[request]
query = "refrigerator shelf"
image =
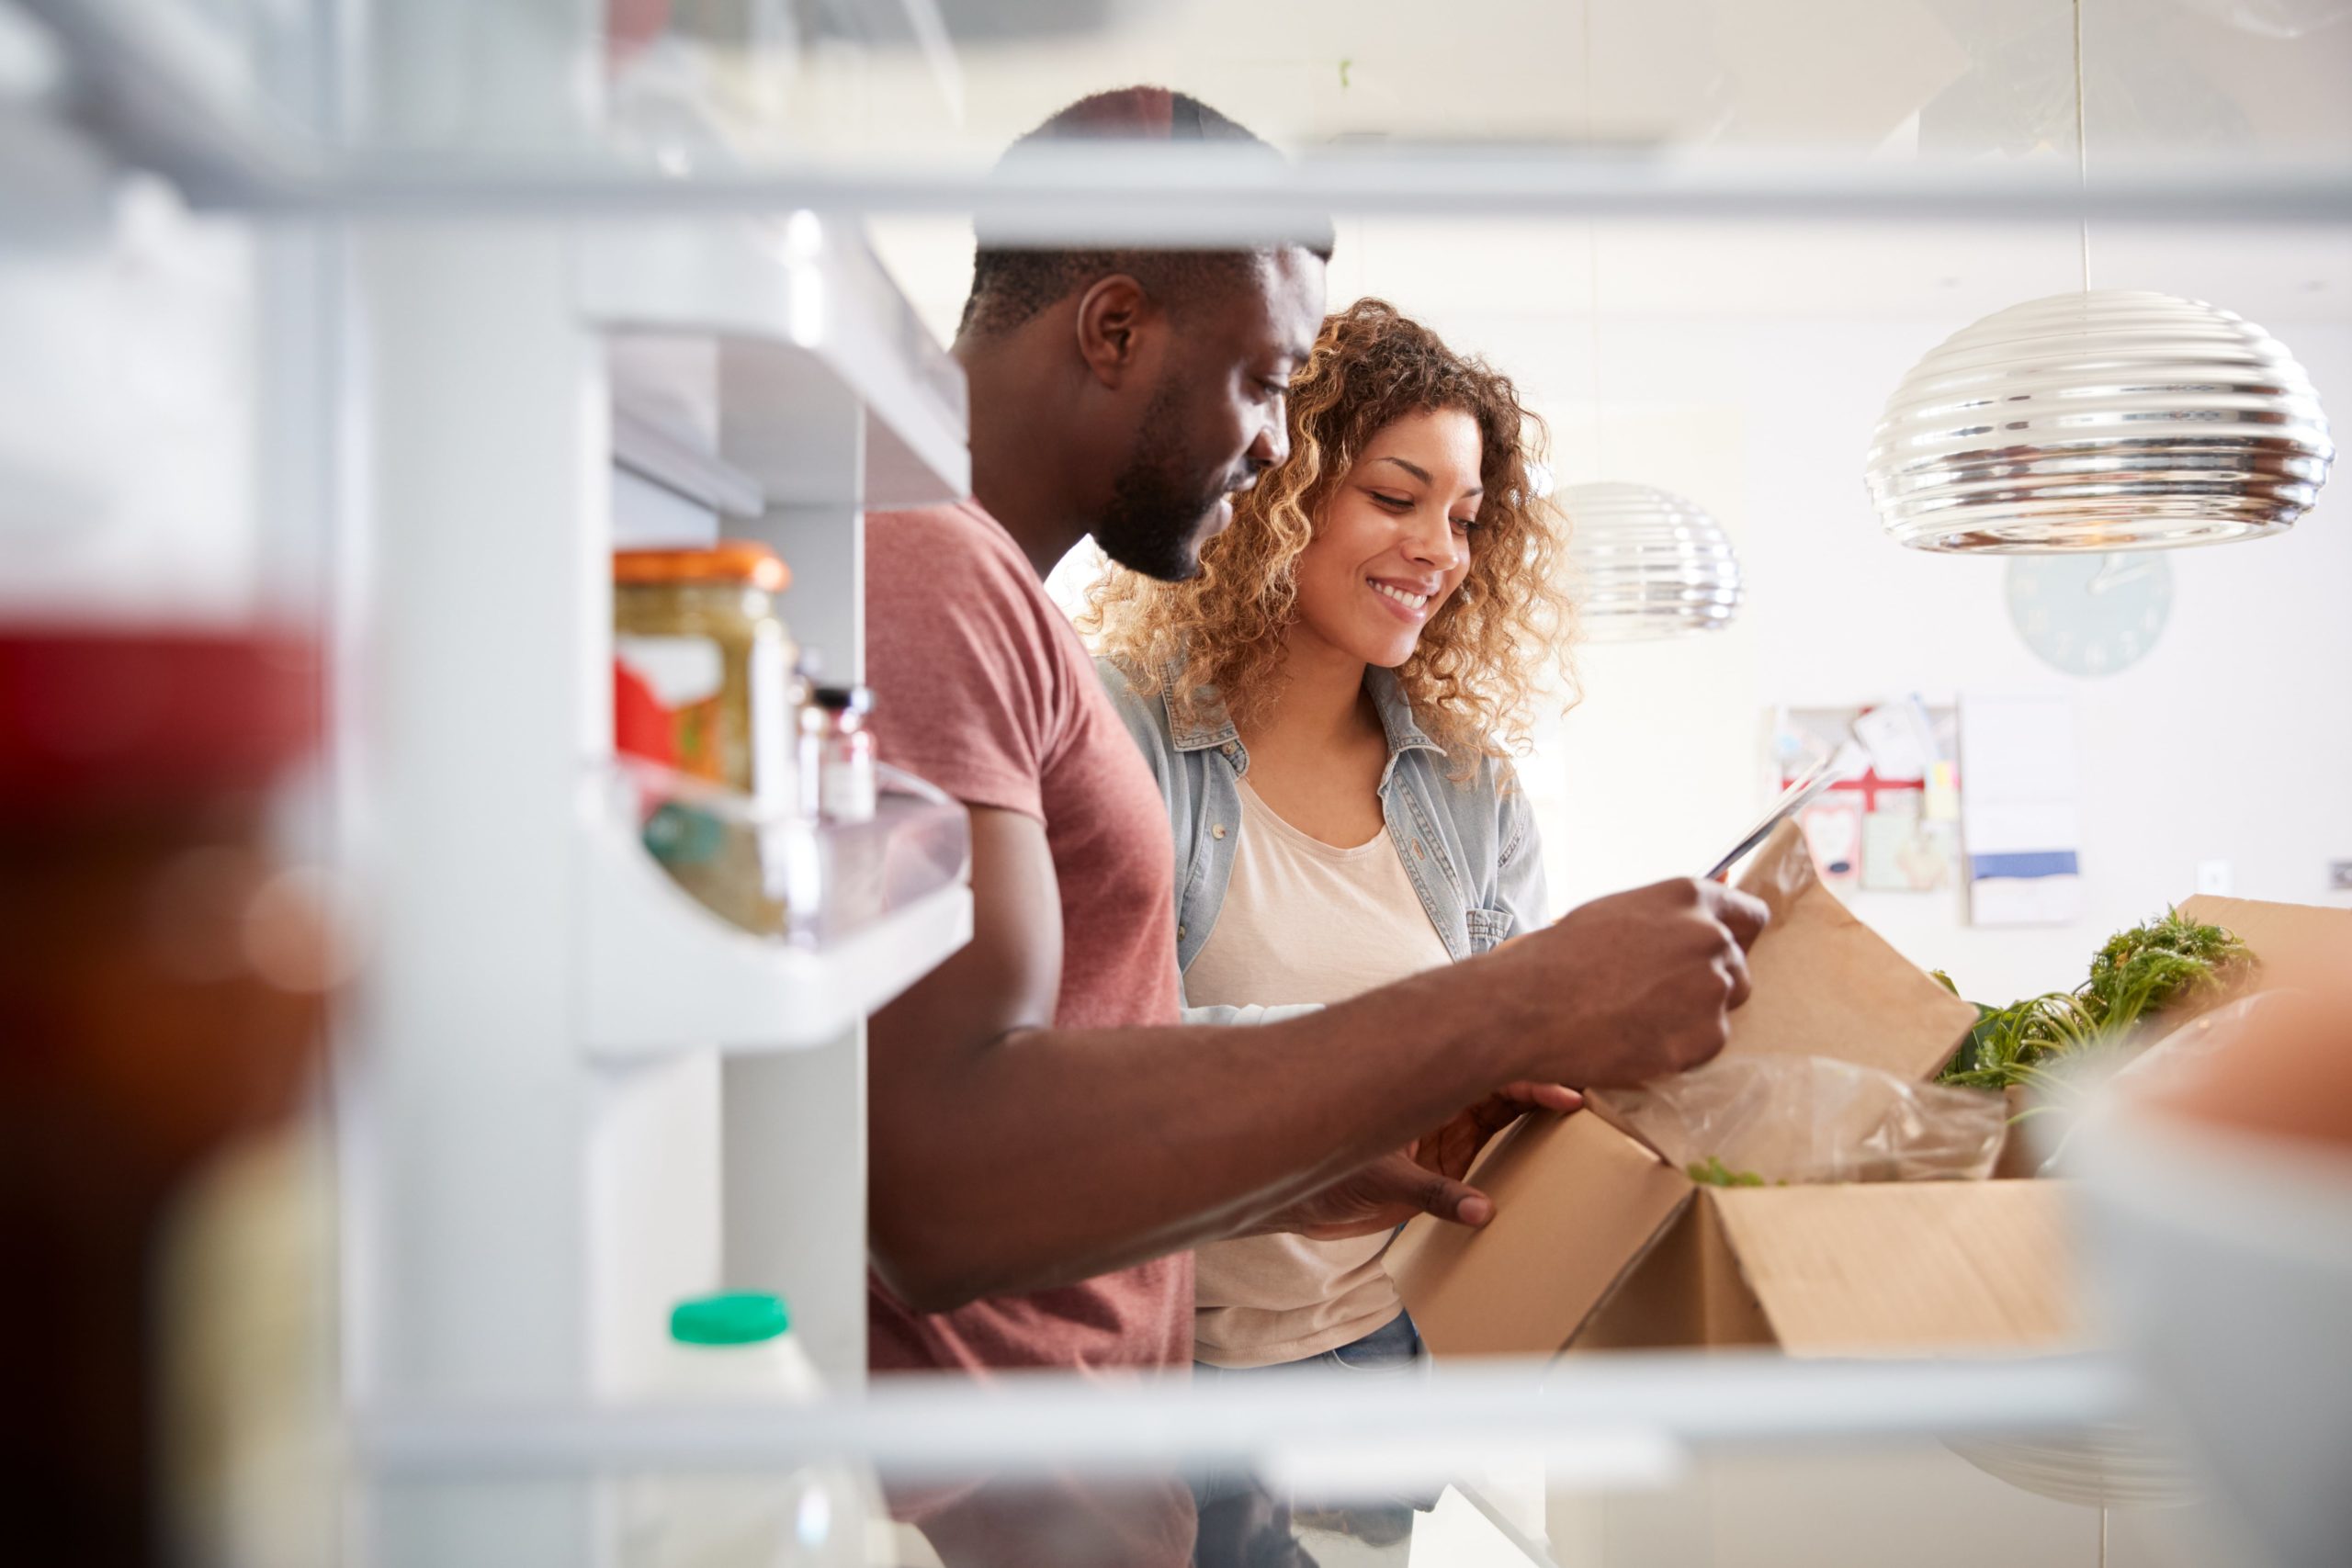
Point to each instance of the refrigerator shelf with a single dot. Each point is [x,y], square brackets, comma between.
[1605,1413]
[665,975]
[779,345]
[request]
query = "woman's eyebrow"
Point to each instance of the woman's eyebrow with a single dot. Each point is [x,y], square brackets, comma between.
[1423,475]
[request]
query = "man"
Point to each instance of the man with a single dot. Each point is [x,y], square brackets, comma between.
[1045,1141]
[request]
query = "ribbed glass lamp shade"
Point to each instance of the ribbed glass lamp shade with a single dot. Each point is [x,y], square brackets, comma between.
[1649,564]
[2106,420]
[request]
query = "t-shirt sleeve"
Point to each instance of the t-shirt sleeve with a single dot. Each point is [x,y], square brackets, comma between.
[968,692]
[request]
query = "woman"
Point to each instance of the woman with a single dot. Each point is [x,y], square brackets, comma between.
[1327,706]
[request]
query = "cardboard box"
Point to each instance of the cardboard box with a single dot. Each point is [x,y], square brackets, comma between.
[2298,944]
[1596,1243]
[1878,1269]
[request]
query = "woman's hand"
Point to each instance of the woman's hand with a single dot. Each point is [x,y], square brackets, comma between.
[1424,1178]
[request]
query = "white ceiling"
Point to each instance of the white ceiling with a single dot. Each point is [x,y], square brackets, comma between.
[1867,79]
[1962,78]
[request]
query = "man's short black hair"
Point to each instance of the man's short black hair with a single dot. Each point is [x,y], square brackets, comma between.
[1011,284]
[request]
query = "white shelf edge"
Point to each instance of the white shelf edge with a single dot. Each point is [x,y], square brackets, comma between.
[820,304]
[651,451]
[1050,1422]
[664,975]
[650,516]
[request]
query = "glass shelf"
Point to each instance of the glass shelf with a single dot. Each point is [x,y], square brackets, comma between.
[865,909]
[1621,1459]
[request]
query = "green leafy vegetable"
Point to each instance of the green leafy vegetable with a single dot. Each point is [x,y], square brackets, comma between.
[2169,964]
[1711,1172]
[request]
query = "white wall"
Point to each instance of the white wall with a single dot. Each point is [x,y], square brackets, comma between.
[2232,739]
[1744,366]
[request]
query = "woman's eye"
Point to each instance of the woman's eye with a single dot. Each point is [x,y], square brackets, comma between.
[1394,503]
[1463,525]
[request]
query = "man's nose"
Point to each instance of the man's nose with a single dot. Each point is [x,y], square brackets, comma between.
[1273,442]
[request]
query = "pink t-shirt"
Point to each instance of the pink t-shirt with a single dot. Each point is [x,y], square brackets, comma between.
[982,687]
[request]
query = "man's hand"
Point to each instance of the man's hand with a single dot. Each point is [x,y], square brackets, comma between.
[1635,986]
[1423,1178]
[1621,991]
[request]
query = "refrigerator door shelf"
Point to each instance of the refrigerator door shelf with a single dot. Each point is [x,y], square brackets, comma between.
[664,975]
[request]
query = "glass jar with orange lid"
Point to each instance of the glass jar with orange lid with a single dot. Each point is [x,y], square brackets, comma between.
[704,684]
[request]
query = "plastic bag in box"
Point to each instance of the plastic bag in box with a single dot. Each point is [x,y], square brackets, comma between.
[1810,1118]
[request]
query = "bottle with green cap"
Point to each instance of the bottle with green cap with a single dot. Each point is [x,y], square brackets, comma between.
[737,1348]
[737,1344]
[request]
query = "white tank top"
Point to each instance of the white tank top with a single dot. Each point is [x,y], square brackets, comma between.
[1302,922]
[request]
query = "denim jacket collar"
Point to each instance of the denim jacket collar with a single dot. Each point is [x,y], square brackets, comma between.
[1204,723]
[1199,723]
[1468,846]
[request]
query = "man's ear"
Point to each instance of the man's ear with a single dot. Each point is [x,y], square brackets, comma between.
[1114,316]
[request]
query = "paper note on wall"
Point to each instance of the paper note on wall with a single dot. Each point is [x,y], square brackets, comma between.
[2019,815]
[1899,750]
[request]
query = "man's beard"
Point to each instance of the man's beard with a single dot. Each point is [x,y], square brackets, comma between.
[1161,505]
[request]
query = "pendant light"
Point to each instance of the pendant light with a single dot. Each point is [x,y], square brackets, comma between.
[2103,420]
[1647,563]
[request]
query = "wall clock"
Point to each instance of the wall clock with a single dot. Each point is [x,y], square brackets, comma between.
[2090,614]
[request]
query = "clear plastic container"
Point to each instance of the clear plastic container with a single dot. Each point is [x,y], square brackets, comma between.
[775,872]
[737,1348]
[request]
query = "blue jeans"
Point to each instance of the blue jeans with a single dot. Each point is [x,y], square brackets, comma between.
[1235,1508]
[1392,1347]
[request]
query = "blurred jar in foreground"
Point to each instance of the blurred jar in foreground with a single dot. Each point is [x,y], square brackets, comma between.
[162,980]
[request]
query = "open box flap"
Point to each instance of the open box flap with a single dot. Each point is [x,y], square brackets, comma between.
[1827,984]
[1686,1291]
[1576,1205]
[2299,944]
[1904,1267]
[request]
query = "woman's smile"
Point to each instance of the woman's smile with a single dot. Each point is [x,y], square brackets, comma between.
[1408,604]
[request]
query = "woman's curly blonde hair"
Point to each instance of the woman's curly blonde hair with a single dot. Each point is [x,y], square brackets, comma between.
[1474,677]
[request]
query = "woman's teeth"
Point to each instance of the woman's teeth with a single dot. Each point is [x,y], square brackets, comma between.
[1410,601]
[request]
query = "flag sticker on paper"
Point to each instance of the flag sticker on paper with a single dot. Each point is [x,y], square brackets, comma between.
[2019,815]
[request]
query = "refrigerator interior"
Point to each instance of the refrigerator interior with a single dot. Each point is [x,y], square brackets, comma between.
[392,320]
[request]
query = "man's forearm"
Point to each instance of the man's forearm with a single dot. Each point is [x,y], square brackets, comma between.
[1052,1154]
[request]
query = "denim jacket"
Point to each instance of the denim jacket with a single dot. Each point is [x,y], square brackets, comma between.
[1470,849]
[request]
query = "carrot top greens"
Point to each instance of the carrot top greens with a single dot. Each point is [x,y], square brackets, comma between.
[1712,1172]
[2169,964]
